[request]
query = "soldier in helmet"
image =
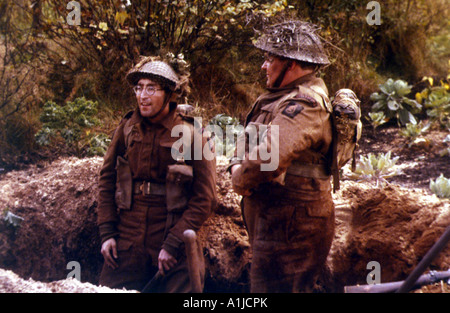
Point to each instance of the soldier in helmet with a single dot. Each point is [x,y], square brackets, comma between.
[148,195]
[288,211]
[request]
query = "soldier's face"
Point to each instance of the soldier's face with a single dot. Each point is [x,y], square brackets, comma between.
[150,97]
[273,67]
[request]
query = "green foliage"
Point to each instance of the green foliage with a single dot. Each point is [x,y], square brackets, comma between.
[98,145]
[223,120]
[376,119]
[414,131]
[393,102]
[231,129]
[437,104]
[113,34]
[440,187]
[376,168]
[71,122]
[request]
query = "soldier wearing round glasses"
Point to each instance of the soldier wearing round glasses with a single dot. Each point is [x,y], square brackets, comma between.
[141,227]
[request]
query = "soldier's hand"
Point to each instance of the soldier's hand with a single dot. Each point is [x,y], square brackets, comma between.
[235,171]
[109,251]
[165,261]
[234,168]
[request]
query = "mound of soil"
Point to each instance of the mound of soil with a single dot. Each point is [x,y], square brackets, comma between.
[393,226]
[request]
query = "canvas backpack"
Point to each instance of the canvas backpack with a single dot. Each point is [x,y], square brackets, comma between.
[345,114]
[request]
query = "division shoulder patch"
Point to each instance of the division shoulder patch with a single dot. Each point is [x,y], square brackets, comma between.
[292,109]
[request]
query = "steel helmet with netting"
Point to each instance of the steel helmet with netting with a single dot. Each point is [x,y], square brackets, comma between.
[160,70]
[296,40]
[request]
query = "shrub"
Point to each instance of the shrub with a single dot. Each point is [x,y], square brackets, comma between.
[437,104]
[376,119]
[413,131]
[71,123]
[393,102]
[375,168]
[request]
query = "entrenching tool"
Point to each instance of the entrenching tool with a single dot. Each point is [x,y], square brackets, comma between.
[193,260]
[426,279]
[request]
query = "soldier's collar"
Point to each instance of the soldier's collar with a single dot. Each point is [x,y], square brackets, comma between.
[166,122]
[294,83]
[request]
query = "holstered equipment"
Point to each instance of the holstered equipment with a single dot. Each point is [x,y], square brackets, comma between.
[178,185]
[124,184]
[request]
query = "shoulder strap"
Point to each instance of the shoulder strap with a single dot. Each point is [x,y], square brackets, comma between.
[334,143]
[324,97]
[127,131]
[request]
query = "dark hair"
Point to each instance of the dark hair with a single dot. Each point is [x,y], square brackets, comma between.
[309,66]
[303,64]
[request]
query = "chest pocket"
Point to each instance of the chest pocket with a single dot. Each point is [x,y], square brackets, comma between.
[267,113]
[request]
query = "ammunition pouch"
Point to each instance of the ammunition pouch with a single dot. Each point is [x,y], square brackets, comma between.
[124,184]
[178,186]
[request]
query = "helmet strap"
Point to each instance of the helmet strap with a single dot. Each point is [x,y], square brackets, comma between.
[283,72]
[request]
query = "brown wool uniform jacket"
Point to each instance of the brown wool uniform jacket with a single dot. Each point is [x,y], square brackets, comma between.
[149,155]
[305,136]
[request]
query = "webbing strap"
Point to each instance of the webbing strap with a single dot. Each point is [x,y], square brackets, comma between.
[308,170]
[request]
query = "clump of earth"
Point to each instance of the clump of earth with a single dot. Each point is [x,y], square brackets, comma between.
[391,224]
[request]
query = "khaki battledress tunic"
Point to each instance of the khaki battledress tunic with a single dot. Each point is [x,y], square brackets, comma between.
[142,231]
[290,213]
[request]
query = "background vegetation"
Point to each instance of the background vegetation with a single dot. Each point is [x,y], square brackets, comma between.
[45,62]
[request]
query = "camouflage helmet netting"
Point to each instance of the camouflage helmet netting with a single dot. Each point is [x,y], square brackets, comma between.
[295,40]
[153,68]
[167,68]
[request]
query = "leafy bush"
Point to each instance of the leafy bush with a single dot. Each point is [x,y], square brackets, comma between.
[376,119]
[98,145]
[437,104]
[375,168]
[71,123]
[393,102]
[440,187]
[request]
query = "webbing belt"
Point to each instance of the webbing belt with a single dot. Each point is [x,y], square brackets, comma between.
[149,188]
[309,170]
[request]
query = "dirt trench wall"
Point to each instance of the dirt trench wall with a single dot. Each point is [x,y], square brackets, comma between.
[393,226]
[58,204]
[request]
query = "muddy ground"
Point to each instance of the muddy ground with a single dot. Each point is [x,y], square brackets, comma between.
[394,225]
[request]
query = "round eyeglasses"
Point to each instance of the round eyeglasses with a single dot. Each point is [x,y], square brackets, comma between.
[150,90]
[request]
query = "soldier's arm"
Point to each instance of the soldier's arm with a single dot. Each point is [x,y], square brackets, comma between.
[298,125]
[107,217]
